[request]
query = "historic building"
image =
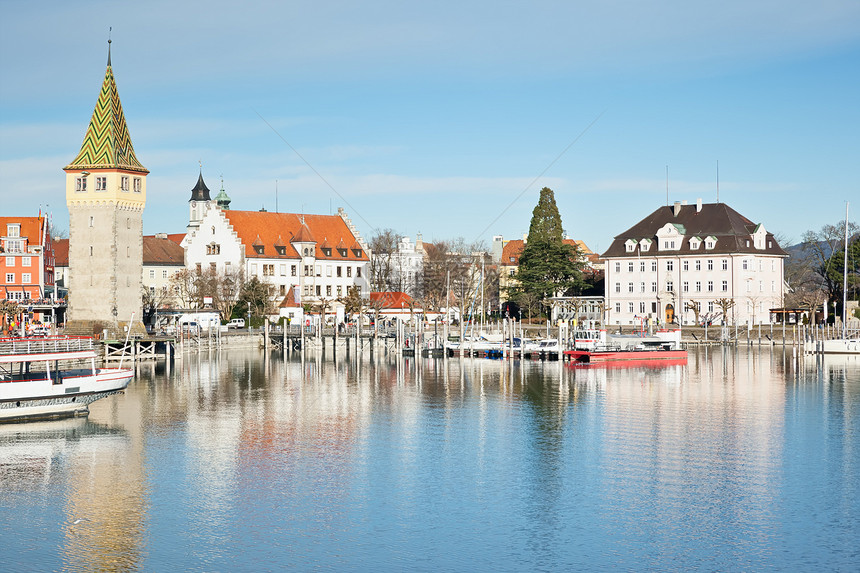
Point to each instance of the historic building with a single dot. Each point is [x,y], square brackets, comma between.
[106,195]
[687,262]
[319,257]
[509,259]
[27,266]
[407,265]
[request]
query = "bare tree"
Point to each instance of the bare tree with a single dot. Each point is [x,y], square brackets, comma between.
[184,284]
[384,275]
[815,255]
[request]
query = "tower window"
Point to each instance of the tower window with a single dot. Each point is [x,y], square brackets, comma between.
[128,223]
[138,185]
[92,221]
[123,183]
[91,250]
[101,183]
[80,184]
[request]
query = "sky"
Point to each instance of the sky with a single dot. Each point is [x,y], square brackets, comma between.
[447,118]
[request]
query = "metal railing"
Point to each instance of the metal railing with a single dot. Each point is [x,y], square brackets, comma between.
[11,346]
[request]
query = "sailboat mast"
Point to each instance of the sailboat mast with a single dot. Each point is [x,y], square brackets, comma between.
[845,279]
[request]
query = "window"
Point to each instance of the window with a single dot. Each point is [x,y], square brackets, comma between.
[686,265]
[339,270]
[654,286]
[213,267]
[92,221]
[698,286]
[653,266]
[293,270]
[670,286]
[760,286]
[641,308]
[10,261]
[642,266]
[348,271]
[710,264]
[513,259]
[629,287]
[748,242]
[617,307]
[91,252]
[80,185]
[283,290]
[13,230]
[319,290]
[281,250]
[630,247]
[306,251]
[128,223]
[745,265]
[698,265]
[630,267]
[253,268]
[164,274]
[617,287]
[138,185]
[710,286]
[151,273]
[101,183]
[630,307]
[328,270]
[773,284]
[670,265]
[123,183]
[642,287]
[709,244]
[260,249]
[512,272]
[328,290]
[25,261]
[725,264]
[339,291]
[319,270]
[283,270]
[342,252]
[10,277]
[357,253]
[685,286]
[358,274]
[268,270]
[25,278]
[725,286]
[307,271]
[617,267]
[326,252]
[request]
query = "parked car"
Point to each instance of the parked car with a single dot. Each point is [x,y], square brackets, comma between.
[236,323]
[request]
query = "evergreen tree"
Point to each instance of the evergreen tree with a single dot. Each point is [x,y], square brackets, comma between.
[546,222]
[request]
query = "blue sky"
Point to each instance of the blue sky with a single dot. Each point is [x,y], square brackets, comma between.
[447,118]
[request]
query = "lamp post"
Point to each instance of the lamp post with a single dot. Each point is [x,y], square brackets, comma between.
[249,317]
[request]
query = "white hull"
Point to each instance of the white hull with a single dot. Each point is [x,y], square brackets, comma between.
[849,346]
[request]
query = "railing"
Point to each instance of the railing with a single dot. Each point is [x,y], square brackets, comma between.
[10,346]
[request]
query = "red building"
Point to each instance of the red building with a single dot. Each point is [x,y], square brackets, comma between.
[27,263]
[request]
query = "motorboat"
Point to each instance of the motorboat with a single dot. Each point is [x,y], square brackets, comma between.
[53,377]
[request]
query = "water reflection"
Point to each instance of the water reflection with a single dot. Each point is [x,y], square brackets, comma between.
[228,460]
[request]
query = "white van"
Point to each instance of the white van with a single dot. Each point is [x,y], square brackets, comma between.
[236,323]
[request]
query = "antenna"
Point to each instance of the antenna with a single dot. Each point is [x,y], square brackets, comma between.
[667,185]
[718,180]
[110,29]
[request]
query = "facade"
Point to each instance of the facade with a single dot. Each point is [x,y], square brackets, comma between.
[407,265]
[106,195]
[681,262]
[163,257]
[27,263]
[319,256]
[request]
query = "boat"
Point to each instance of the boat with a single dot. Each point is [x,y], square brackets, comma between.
[53,377]
[663,345]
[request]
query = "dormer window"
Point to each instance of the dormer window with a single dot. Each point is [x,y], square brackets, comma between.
[342,252]
[306,251]
[259,249]
[327,251]
[281,250]
[357,252]
[13,230]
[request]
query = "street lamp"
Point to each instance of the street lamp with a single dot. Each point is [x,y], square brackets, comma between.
[249,317]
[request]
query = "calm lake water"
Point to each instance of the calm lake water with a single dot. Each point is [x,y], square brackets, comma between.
[739,460]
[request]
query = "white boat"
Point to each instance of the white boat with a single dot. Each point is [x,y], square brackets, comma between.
[53,377]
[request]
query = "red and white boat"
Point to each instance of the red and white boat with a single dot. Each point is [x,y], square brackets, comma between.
[53,377]
[663,345]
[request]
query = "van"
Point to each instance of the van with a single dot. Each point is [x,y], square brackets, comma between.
[236,323]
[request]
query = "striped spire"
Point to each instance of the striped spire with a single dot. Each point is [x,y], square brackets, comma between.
[107,143]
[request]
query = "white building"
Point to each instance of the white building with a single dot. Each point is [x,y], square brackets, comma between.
[683,257]
[407,266]
[319,256]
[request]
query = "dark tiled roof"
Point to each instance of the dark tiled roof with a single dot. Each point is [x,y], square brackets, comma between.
[730,228]
[157,251]
[200,191]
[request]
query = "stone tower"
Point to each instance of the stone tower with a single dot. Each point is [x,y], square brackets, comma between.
[198,204]
[105,194]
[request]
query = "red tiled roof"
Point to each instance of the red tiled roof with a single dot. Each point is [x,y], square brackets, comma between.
[158,251]
[290,300]
[265,229]
[31,228]
[61,253]
[391,299]
[176,237]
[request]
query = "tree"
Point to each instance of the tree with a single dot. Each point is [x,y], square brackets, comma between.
[835,270]
[259,295]
[383,275]
[548,269]
[819,248]
[184,284]
[546,222]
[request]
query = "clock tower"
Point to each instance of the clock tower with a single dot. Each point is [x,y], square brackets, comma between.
[105,194]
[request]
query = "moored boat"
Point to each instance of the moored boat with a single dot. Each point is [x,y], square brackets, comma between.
[54,377]
[661,346]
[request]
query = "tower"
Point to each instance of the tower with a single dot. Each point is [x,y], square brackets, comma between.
[198,204]
[105,194]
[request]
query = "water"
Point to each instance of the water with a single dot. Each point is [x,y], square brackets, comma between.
[739,460]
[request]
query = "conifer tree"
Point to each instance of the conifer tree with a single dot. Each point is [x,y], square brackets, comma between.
[546,221]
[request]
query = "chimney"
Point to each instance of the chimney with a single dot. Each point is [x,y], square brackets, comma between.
[677,208]
[699,205]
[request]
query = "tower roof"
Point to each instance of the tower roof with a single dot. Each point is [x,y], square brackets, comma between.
[107,143]
[200,191]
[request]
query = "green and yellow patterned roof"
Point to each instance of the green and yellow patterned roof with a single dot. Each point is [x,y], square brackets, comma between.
[107,144]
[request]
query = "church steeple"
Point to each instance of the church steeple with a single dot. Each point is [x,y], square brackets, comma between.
[107,143]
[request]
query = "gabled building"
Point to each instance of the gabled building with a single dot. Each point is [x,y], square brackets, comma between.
[681,261]
[319,256]
[26,259]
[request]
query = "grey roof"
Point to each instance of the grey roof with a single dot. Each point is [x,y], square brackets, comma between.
[731,229]
[200,191]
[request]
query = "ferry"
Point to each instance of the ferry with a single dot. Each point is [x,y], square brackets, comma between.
[663,345]
[53,377]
